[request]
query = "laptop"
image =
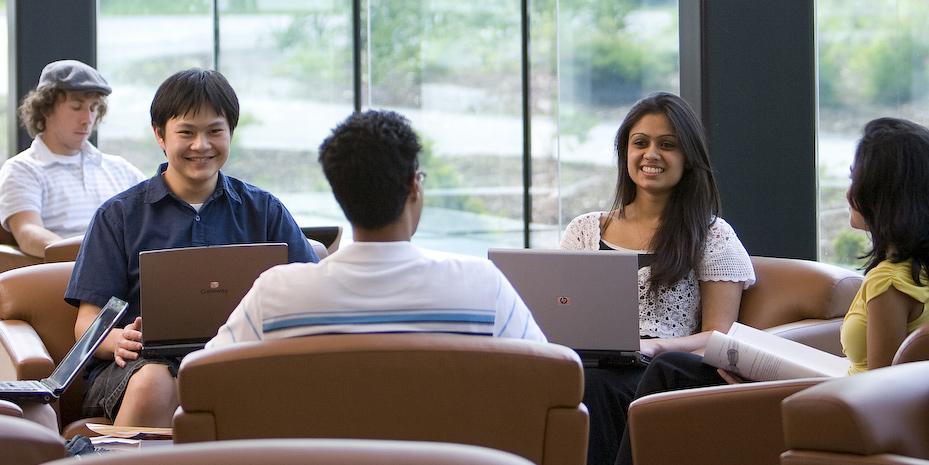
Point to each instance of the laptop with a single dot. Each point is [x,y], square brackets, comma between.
[50,389]
[187,293]
[587,300]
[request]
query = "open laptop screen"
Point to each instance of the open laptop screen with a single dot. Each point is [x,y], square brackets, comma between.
[83,349]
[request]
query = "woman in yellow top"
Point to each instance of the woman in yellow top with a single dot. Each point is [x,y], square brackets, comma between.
[888,199]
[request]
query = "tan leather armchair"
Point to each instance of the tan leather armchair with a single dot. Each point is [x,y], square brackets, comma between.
[320,249]
[878,417]
[23,442]
[730,424]
[37,328]
[308,452]
[10,255]
[64,250]
[39,413]
[797,299]
[915,348]
[801,300]
[518,396]
[10,409]
[328,236]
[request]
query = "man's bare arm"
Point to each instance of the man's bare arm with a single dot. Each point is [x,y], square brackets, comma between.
[30,233]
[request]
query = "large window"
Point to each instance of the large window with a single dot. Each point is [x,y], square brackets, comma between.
[873,62]
[455,69]
[140,44]
[591,61]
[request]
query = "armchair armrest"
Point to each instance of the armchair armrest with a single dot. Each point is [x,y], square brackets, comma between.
[319,248]
[25,442]
[64,250]
[883,411]
[804,457]
[914,348]
[11,257]
[732,424]
[22,353]
[10,409]
[821,334]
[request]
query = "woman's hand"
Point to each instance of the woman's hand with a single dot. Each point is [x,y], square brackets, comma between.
[650,347]
[730,378]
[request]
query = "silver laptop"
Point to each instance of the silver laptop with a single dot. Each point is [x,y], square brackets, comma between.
[188,293]
[587,300]
[50,389]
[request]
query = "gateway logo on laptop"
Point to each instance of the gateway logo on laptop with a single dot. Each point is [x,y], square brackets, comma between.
[214,289]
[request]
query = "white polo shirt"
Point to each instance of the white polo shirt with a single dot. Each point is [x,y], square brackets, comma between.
[376,287]
[65,190]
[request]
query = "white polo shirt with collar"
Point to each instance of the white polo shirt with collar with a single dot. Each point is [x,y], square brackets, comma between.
[378,287]
[65,190]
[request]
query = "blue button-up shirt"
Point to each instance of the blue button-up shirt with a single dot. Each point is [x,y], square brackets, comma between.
[151,217]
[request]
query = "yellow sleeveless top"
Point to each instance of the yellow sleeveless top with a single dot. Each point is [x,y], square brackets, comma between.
[854,332]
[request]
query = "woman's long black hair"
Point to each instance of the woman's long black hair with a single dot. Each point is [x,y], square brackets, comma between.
[890,189]
[680,240]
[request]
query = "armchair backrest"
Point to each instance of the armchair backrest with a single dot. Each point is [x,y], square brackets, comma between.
[308,452]
[513,395]
[789,290]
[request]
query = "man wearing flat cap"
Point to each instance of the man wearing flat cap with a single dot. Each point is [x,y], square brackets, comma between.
[52,189]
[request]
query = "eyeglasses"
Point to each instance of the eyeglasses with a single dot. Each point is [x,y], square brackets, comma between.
[420,176]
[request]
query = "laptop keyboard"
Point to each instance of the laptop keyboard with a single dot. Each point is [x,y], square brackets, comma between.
[22,386]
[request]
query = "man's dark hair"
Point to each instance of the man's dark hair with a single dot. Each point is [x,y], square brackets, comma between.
[186,92]
[370,161]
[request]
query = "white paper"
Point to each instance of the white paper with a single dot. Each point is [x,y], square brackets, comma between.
[759,356]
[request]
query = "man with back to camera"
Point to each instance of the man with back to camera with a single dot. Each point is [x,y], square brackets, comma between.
[190,202]
[380,282]
[50,190]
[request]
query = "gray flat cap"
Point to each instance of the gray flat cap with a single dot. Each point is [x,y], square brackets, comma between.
[73,75]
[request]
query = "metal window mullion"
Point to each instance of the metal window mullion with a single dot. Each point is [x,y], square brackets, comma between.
[527,127]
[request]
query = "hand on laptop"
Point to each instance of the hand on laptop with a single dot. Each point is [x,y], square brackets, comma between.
[649,347]
[129,343]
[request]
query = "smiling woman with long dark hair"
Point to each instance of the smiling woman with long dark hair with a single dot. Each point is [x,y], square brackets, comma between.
[667,206]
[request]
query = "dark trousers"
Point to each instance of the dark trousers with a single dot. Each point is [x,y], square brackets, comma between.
[607,394]
[668,371]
